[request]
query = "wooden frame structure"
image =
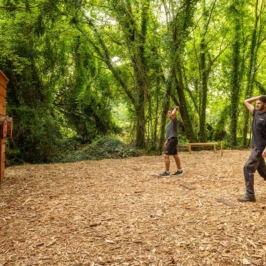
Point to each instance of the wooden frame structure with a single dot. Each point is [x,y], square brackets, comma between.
[6,123]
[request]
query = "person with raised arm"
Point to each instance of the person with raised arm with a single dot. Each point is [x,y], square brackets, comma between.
[170,144]
[255,161]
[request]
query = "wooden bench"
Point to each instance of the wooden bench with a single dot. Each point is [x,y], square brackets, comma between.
[214,144]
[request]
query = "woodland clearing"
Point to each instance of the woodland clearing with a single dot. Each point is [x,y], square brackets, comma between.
[115,212]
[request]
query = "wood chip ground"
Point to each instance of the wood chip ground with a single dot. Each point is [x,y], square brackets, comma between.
[115,212]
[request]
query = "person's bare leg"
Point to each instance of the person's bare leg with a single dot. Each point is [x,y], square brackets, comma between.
[167,162]
[177,161]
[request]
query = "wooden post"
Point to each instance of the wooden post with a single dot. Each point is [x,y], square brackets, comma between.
[214,148]
[221,148]
[3,123]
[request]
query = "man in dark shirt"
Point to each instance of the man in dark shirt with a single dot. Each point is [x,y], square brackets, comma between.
[171,144]
[256,159]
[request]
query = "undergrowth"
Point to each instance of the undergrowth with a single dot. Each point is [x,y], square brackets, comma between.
[104,148]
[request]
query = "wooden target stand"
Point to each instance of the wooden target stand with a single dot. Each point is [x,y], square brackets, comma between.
[6,123]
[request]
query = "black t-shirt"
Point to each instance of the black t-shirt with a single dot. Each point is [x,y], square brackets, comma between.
[259,130]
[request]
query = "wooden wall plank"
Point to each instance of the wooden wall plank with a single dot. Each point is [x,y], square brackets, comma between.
[3,150]
[2,158]
[2,100]
[3,82]
[2,110]
[1,176]
[2,143]
[3,79]
[2,91]
[3,85]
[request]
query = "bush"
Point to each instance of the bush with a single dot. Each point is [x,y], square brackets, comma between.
[36,136]
[103,148]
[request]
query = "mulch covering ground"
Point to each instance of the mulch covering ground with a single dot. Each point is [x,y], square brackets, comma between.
[115,212]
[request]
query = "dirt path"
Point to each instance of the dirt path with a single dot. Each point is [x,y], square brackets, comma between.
[114,212]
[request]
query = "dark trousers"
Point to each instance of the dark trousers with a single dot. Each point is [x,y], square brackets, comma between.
[254,162]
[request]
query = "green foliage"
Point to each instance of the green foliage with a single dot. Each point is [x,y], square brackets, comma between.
[106,147]
[112,148]
[90,119]
[36,136]
[71,63]
[219,134]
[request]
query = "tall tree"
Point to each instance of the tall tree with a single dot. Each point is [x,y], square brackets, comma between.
[255,41]
[203,56]
[235,10]
[69,62]
[203,67]
[179,22]
[134,33]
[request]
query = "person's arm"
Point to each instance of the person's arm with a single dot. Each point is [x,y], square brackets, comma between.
[249,105]
[173,114]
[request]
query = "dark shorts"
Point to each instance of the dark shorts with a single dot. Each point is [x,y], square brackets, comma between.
[171,148]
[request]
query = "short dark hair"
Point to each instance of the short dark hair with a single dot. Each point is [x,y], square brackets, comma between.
[263,98]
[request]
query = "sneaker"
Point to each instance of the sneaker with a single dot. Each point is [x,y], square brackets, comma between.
[178,173]
[246,198]
[165,174]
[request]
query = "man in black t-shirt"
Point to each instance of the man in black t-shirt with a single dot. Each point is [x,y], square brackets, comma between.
[256,159]
[170,144]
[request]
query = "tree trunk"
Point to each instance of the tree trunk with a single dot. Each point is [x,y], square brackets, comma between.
[204,91]
[140,121]
[183,106]
[235,76]
[165,106]
[251,74]
[141,77]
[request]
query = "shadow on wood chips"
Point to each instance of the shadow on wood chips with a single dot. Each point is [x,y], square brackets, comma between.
[115,212]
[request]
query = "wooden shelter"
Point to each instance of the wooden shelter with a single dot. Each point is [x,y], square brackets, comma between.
[6,123]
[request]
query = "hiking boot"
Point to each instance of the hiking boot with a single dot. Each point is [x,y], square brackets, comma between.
[178,173]
[165,174]
[247,198]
